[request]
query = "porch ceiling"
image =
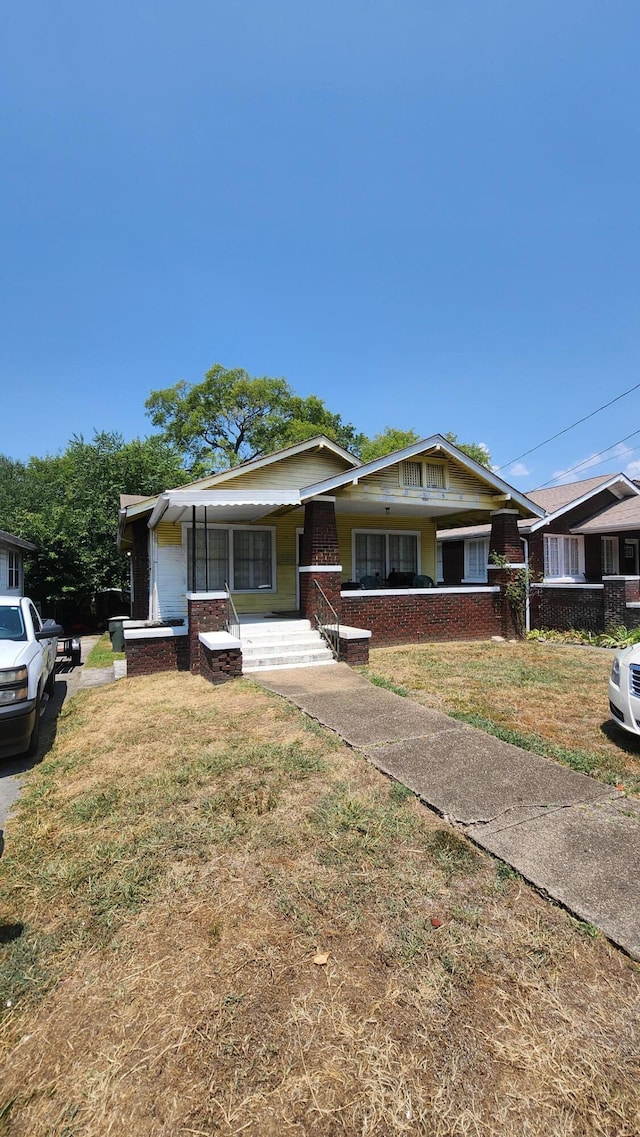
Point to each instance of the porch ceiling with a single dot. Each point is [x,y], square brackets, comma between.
[221,505]
[420,509]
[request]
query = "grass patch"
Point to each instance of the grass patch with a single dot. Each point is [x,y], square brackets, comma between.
[550,700]
[213,921]
[388,684]
[101,654]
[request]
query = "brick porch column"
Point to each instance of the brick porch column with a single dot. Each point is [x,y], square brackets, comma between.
[207,612]
[319,556]
[140,571]
[505,542]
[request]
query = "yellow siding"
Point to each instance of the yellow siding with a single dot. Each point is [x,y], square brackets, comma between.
[426,528]
[459,483]
[289,473]
[169,533]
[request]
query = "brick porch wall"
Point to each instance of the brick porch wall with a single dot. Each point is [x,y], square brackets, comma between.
[206,614]
[565,608]
[439,614]
[219,666]
[167,653]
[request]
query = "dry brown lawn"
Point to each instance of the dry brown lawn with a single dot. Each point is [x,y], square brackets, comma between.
[557,694]
[215,919]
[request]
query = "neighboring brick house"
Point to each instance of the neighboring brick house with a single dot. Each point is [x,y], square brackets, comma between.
[583,554]
[312,531]
[12,550]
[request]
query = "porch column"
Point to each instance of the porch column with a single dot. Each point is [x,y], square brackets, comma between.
[140,571]
[207,612]
[505,543]
[319,556]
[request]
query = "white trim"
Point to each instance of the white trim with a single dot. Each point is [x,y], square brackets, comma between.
[319,568]
[215,640]
[497,512]
[358,593]
[563,557]
[153,633]
[509,564]
[220,594]
[347,633]
[479,579]
[618,576]
[565,584]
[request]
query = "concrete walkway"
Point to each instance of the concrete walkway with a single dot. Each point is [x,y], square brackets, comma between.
[575,838]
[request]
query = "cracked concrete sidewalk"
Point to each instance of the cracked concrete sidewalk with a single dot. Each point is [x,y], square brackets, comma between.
[575,838]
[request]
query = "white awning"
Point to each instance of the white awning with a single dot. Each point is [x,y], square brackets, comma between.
[221,505]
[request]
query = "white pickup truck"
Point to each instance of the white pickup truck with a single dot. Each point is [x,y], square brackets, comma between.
[27,672]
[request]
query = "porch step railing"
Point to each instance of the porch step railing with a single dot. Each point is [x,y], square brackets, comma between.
[327,620]
[233,620]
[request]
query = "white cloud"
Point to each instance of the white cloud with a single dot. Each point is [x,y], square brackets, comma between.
[519,470]
[632,470]
[581,470]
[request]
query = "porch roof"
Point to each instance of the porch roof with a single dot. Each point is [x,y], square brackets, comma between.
[225,505]
[622,516]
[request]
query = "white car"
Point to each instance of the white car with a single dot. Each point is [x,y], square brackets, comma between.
[27,663]
[624,689]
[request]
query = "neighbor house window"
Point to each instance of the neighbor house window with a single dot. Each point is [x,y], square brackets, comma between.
[439,563]
[243,558]
[423,475]
[563,558]
[610,564]
[377,554]
[13,576]
[476,555]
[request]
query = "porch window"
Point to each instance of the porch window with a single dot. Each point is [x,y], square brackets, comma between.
[377,554]
[563,558]
[610,562]
[439,563]
[241,557]
[476,555]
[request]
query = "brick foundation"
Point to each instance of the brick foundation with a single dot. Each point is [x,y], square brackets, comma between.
[167,653]
[438,614]
[355,652]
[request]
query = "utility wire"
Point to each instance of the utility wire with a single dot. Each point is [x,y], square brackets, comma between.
[590,461]
[568,428]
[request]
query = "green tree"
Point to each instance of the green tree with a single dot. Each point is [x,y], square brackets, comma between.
[67,505]
[386,442]
[476,450]
[232,416]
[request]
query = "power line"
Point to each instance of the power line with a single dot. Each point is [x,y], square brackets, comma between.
[568,428]
[590,462]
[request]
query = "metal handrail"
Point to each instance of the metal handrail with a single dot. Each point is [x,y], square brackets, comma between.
[233,620]
[327,620]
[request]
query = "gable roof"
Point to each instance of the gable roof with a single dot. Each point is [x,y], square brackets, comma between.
[621,515]
[318,442]
[18,542]
[555,497]
[435,443]
[620,485]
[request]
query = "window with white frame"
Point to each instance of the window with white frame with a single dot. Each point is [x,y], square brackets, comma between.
[241,557]
[377,553]
[610,556]
[476,555]
[563,557]
[423,475]
[439,563]
[13,573]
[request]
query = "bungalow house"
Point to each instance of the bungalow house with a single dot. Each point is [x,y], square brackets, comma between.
[583,554]
[12,550]
[308,540]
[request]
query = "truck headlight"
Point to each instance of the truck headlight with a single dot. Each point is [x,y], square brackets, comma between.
[14,685]
[615,671]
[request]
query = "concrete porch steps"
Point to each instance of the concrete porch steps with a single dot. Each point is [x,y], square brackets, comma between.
[271,644]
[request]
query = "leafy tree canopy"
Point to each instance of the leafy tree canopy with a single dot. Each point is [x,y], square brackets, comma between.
[231,417]
[476,450]
[67,505]
[386,442]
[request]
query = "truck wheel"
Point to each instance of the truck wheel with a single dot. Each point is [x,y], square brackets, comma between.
[35,733]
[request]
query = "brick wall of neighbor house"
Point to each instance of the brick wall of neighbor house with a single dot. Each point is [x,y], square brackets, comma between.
[219,666]
[146,656]
[140,571]
[566,608]
[204,616]
[438,615]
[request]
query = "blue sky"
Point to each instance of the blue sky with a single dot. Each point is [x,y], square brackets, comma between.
[425,213]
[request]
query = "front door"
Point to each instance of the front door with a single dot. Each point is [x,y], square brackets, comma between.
[299,533]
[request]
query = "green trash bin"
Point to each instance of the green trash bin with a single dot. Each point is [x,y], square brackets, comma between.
[116,632]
